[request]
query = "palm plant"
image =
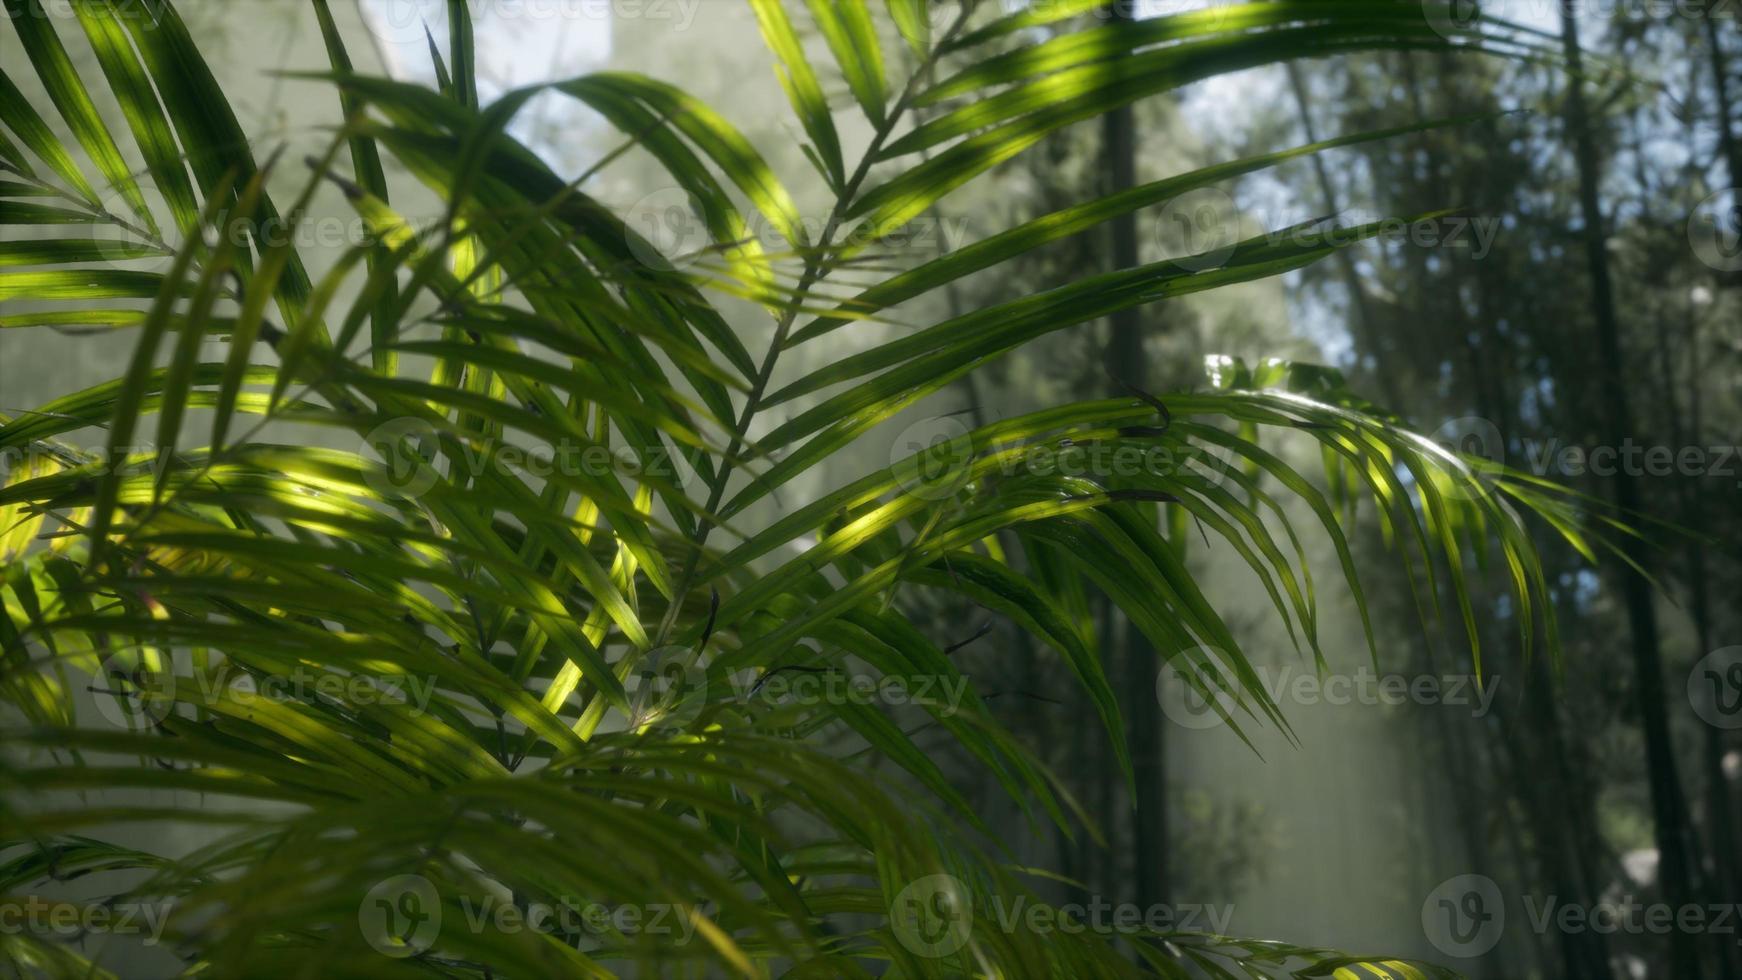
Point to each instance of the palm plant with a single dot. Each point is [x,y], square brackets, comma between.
[593,629]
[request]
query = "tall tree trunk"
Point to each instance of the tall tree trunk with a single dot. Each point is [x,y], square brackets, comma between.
[1668,805]
[1721,811]
[1562,798]
[1125,360]
[1726,114]
[1555,795]
[1363,315]
[1720,818]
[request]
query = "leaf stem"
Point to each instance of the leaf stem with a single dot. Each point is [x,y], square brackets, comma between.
[816,268]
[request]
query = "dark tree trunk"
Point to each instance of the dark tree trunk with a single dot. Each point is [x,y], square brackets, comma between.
[1136,659]
[1726,115]
[1669,806]
[1358,307]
